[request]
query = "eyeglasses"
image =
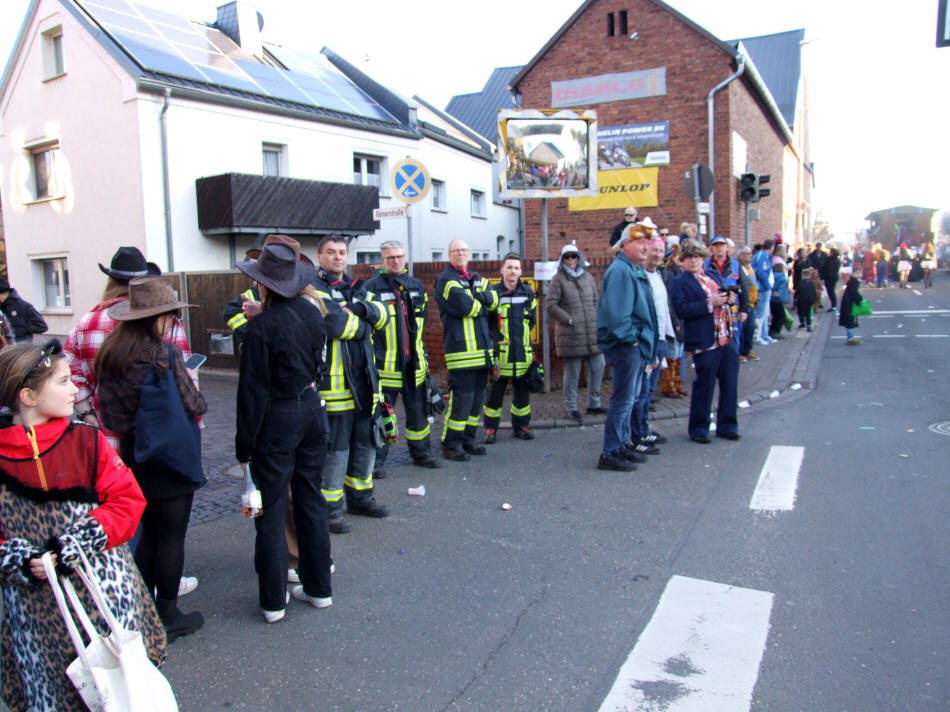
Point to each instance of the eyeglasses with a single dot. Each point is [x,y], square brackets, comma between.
[394,257]
[664,234]
[459,249]
[572,257]
[630,215]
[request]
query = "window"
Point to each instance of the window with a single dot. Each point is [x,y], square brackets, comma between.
[610,24]
[274,158]
[622,17]
[369,258]
[56,283]
[478,204]
[438,195]
[367,170]
[438,256]
[53,53]
[45,159]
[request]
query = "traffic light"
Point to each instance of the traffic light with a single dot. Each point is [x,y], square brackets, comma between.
[748,187]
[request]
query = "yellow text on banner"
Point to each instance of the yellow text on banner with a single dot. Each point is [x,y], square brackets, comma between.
[620,189]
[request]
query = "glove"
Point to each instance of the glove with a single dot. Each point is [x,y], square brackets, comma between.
[84,534]
[358,308]
[15,555]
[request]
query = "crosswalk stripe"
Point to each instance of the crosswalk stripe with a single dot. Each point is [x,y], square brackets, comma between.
[888,336]
[931,336]
[700,651]
[778,479]
[913,311]
[918,293]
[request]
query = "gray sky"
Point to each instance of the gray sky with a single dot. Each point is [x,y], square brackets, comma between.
[878,120]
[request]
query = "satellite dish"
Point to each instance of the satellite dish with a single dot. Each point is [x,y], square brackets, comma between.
[260,21]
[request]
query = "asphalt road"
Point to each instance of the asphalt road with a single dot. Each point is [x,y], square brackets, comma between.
[456,604]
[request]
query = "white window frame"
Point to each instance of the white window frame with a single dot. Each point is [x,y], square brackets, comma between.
[54,62]
[60,286]
[477,201]
[362,175]
[438,196]
[53,188]
[369,257]
[438,255]
[279,150]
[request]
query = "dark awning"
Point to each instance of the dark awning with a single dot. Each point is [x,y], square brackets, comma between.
[236,203]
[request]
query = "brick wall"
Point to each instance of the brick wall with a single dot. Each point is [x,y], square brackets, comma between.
[694,65]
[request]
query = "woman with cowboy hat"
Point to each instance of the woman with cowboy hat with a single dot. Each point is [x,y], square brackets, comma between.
[90,331]
[132,348]
[282,426]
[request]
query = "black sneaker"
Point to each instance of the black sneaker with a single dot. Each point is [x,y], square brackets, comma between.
[523,434]
[474,449]
[369,508]
[426,461]
[379,473]
[615,462]
[646,449]
[573,415]
[653,439]
[455,453]
[629,452]
[596,411]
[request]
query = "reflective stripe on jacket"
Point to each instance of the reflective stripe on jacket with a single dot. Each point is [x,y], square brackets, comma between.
[517,311]
[465,302]
[399,347]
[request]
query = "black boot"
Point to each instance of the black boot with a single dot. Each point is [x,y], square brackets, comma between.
[177,623]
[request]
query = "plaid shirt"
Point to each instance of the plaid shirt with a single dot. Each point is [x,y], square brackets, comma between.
[84,341]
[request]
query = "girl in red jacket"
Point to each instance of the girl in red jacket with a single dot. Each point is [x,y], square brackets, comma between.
[62,489]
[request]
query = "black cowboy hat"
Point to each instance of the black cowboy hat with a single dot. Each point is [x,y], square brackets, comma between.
[279,267]
[128,263]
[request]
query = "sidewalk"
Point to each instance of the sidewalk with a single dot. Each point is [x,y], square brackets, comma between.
[787,366]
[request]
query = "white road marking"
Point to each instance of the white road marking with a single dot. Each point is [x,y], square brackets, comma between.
[888,336]
[931,336]
[778,479]
[913,312]
[700,651]
[837,337]
[918,292]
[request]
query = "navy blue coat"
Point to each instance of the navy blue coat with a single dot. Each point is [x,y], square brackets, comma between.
[691,306]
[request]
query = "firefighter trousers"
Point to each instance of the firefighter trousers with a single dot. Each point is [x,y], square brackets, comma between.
[350,459]
[520,405]
[466,396]
[417,427]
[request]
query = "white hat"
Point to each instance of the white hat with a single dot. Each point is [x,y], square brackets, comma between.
[570,249]
[648,223]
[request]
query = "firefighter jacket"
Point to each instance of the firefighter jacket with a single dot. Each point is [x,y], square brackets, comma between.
[517,312]
[233,314]
[350,377]
[465,301]
[400,351]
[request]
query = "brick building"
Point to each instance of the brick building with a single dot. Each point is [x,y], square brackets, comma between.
[610,45]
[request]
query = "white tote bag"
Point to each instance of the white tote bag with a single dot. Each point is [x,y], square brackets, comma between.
[113,673]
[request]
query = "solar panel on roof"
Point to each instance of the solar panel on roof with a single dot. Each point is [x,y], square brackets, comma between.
[161,42]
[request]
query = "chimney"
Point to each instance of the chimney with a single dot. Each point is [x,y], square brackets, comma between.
[241,22]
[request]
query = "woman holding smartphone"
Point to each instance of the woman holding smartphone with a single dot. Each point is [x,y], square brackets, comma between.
[121,365]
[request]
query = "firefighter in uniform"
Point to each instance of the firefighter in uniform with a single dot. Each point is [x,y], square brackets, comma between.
[400,353]
[517,311]
[350,387]
[465,302]
[239,310]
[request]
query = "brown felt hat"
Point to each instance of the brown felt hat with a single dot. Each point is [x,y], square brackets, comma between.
[279,267]
[148,296]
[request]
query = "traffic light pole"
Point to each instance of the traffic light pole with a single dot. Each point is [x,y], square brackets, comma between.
[748,226]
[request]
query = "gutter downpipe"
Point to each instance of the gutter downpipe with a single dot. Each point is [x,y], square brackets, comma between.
[711,116]
[166,188]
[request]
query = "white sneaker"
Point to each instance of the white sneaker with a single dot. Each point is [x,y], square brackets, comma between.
[293,576]
[314,601]
[187,584]
[762,342]
[274,616]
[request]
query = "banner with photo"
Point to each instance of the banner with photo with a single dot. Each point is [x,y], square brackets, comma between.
[633,146]
[618,189]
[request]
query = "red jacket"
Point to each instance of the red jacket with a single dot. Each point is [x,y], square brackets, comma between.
[74,456]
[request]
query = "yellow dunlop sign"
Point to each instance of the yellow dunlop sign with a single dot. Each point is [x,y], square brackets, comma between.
[620,189]
[410,180]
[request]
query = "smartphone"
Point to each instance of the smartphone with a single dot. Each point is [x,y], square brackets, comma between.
[194,361]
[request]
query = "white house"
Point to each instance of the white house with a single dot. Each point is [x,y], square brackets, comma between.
[122,124]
